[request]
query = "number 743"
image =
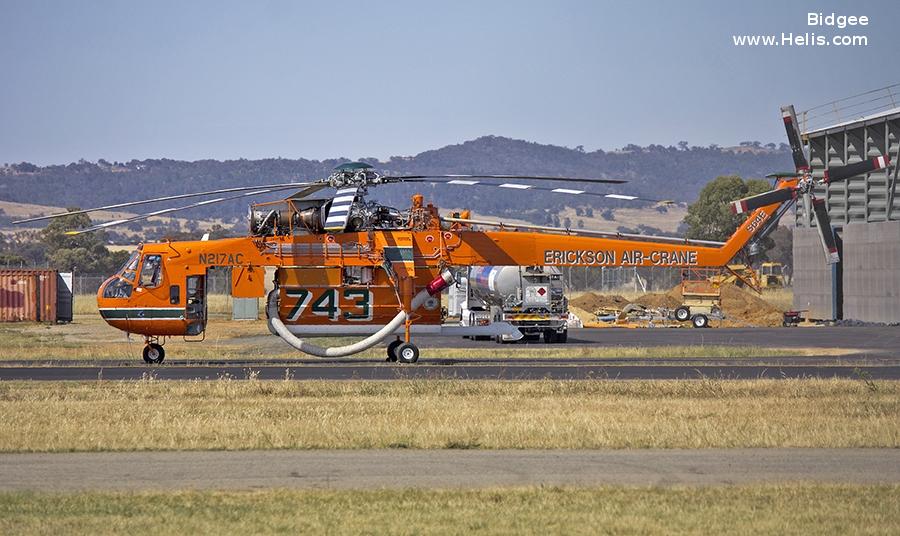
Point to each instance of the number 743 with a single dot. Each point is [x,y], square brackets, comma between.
[328,303]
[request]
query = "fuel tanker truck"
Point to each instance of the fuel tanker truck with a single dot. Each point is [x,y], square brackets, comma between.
[531,298]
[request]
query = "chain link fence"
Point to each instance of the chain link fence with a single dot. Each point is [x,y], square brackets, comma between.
[218,281]
[601,278]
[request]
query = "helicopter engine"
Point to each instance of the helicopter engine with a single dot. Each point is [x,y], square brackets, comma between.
[281,219]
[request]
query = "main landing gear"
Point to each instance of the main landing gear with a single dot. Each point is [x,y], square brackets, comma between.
[404,352]
[153,352]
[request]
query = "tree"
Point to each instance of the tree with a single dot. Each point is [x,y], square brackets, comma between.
[84,252]
[783,246]
[710,217]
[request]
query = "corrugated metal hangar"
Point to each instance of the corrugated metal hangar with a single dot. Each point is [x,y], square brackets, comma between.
[865,213]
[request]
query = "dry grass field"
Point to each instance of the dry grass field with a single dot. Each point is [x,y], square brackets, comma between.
[760,509]
[229,414]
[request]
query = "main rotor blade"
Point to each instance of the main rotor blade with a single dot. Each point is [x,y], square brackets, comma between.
[793,134]
[841,173]
[826,233]
[270,187]
[114,223]
[309,190]
[418,178]
[753,202]
[339,211]
[514,186]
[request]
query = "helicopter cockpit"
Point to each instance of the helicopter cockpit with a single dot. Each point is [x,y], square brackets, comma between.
[121,284]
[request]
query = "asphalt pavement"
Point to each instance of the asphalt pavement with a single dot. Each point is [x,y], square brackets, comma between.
[874,354]
[373,469]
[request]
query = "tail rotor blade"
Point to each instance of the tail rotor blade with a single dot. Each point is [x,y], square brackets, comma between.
[841,173]
[826,233]
[793,134]
[749,204]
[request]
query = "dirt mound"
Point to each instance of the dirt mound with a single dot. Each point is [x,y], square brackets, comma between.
[741,307]
[746,306]
[659,299]
[592,302]
[586,317]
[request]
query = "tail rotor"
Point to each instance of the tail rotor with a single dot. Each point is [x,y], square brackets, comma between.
[812,206]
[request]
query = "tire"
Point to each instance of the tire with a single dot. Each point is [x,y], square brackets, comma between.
[682,314]
[549,337]
[153,354]
[392,350]
[700,321]
[562,337]
[407,352]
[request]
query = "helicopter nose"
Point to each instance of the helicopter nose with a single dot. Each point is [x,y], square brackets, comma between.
[109,297]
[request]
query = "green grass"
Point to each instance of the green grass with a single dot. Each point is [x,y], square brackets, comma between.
[758,509]
[437,414]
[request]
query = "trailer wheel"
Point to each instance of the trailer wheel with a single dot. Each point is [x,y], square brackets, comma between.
[700,321]
[562,337]
[549,336]
[153,353]
[407,352]
[682,314]
[392,350]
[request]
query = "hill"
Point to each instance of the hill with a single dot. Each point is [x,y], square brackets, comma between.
[655,171]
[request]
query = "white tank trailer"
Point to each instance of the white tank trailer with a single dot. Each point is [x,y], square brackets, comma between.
[532,298]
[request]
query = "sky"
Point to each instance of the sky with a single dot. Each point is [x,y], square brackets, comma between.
[194,80]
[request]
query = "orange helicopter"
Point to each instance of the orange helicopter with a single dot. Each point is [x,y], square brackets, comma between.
[348,266]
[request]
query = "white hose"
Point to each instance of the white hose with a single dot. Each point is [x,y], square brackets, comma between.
[282,331]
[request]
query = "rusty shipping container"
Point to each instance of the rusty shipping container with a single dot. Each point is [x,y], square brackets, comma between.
[28,295]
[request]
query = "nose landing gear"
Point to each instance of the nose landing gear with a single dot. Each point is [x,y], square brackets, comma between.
[153,352]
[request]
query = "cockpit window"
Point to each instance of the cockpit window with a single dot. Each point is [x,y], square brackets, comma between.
[151,271]
[117,288]
[130,267]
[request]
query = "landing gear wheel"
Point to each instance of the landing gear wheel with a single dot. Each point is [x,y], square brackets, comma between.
[407,352]
[549,337]
[682,314]
[392,350]
[700,321]
[153,353]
